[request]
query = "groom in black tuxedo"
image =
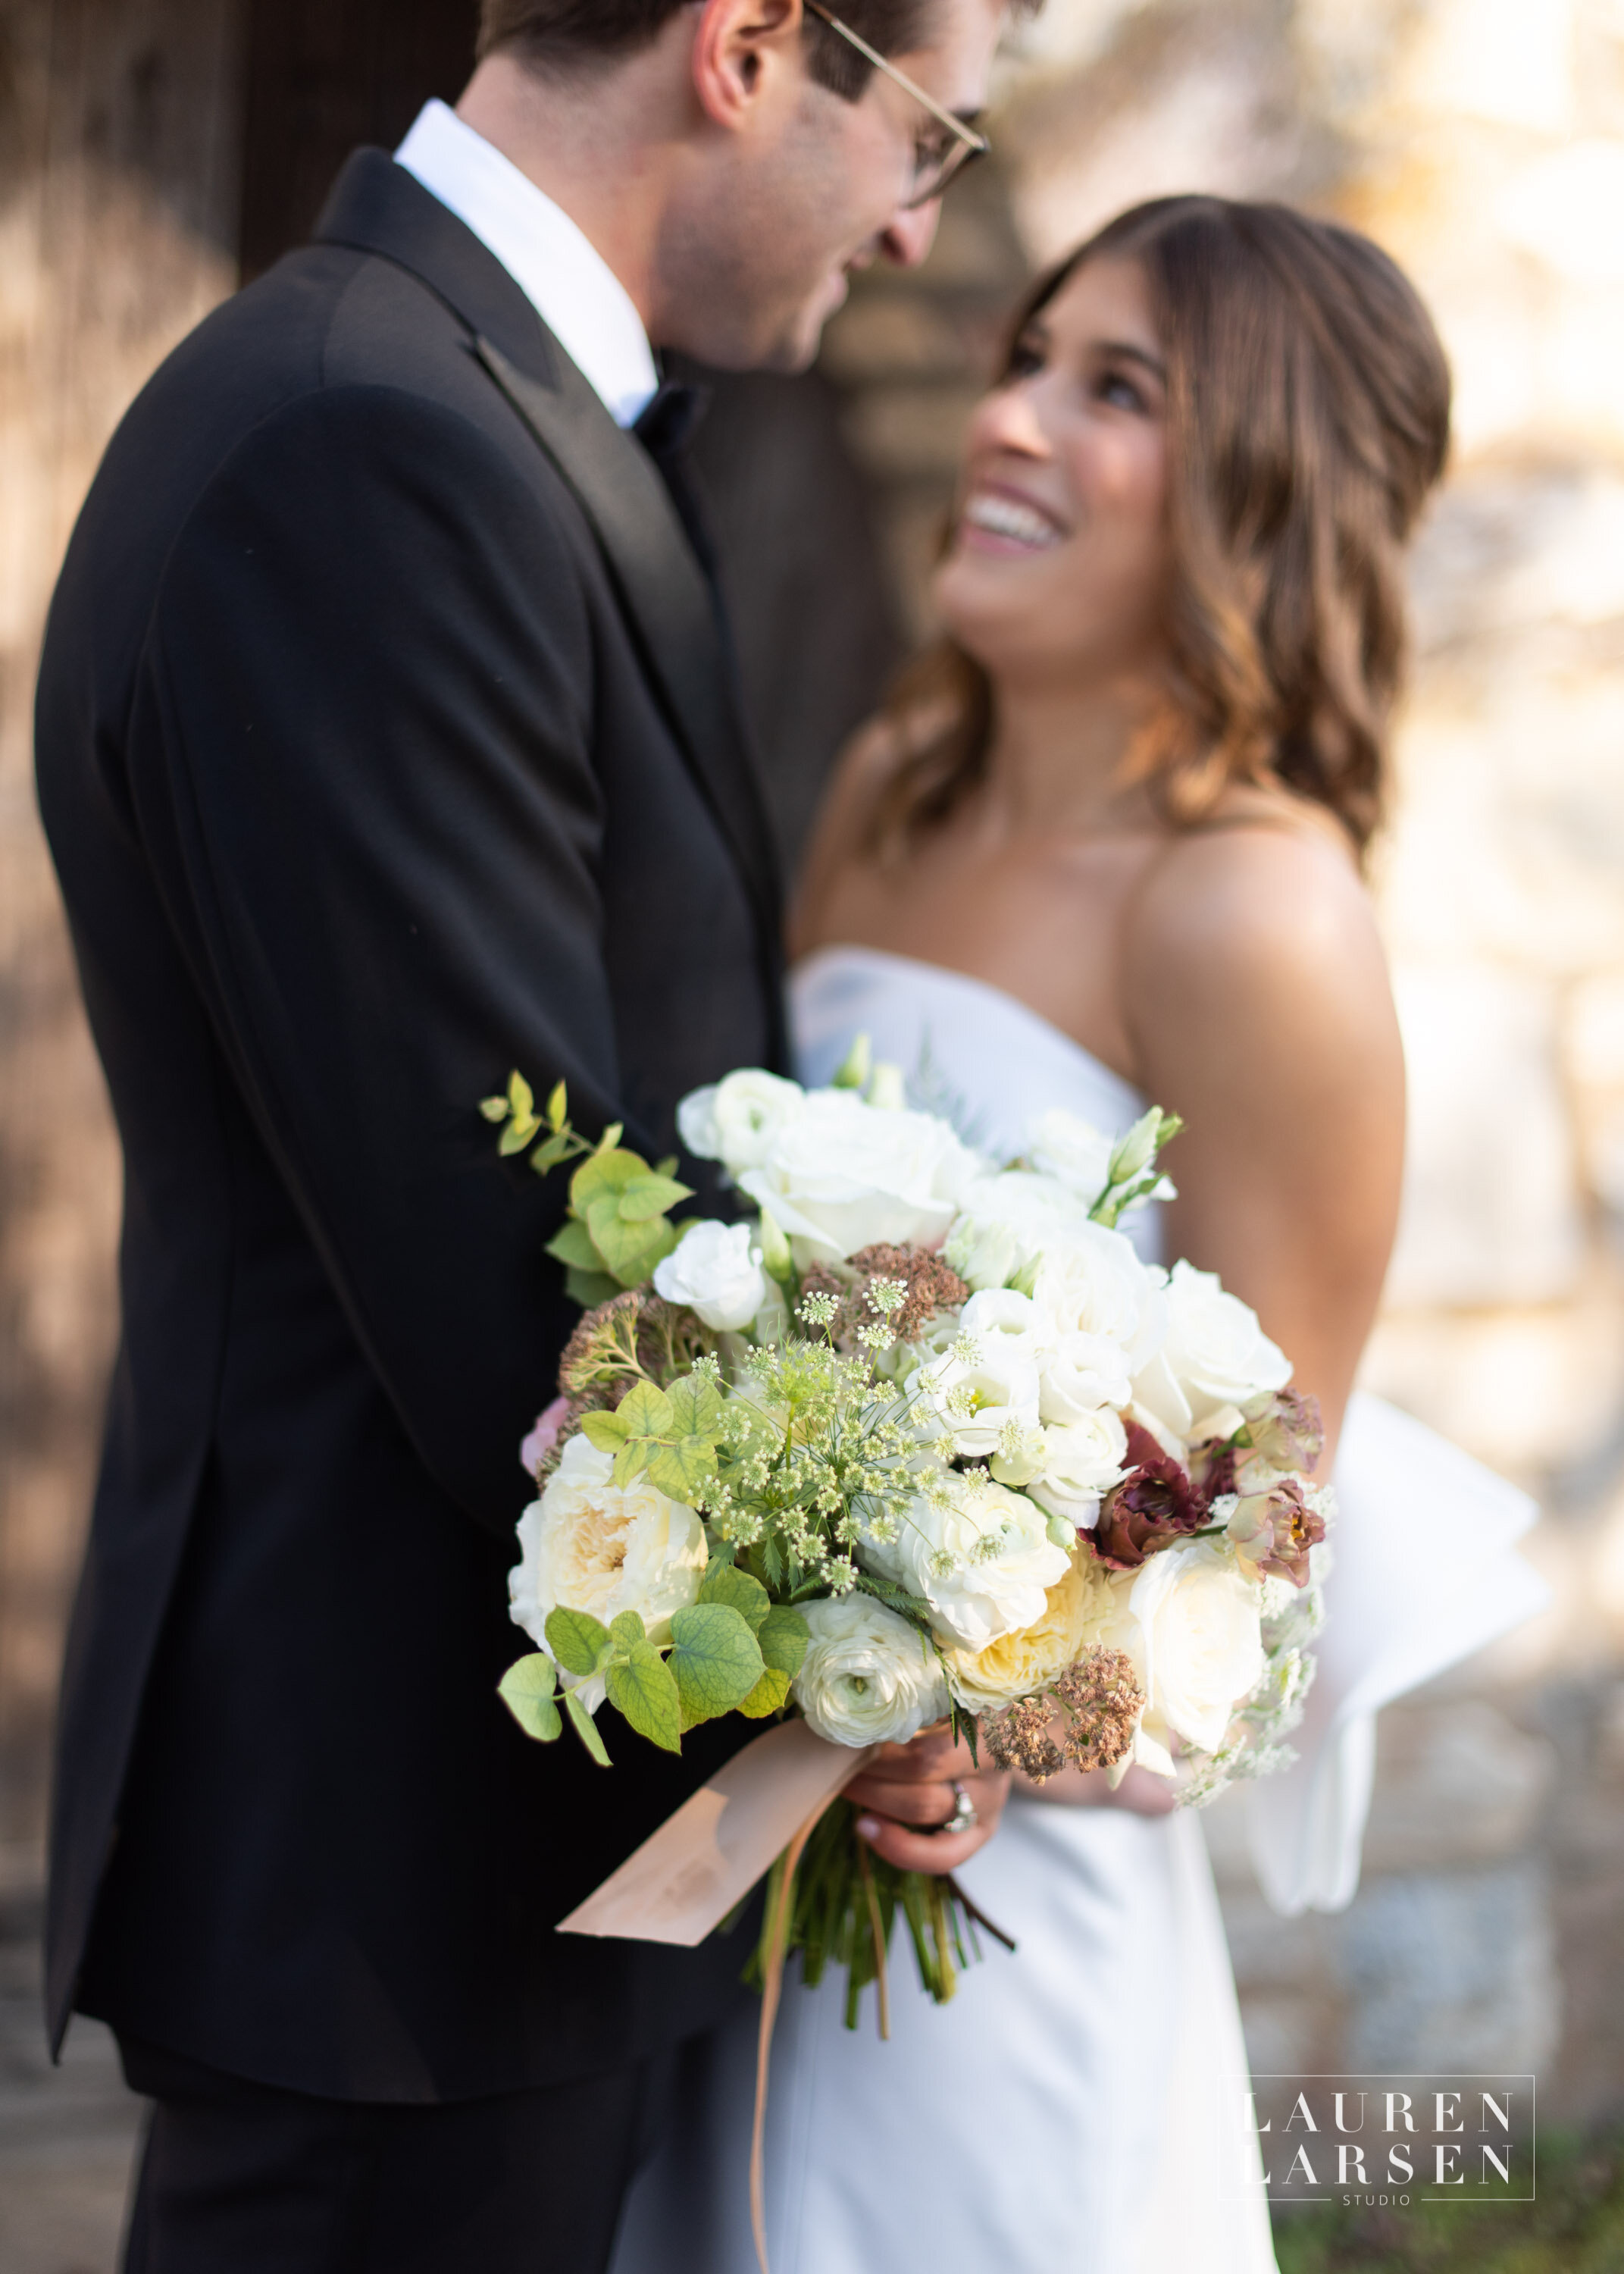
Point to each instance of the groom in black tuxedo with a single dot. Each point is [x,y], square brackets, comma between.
[386,742]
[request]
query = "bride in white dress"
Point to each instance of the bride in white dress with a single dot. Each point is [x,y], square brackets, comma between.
[1103,848]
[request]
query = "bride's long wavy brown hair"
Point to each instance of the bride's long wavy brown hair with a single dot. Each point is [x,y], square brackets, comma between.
[1307,419]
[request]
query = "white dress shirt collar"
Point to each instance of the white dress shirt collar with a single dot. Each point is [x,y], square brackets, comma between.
[578,295]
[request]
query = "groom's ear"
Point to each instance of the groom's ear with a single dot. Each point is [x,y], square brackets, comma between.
[740,46]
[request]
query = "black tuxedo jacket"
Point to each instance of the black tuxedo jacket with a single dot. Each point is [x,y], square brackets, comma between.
[385,742]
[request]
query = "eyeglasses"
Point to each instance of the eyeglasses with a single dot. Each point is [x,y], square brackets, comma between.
[938,158]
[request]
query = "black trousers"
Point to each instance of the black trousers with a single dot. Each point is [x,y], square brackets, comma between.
[242,2179]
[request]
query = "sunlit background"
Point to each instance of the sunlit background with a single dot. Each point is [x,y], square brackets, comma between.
[151,149]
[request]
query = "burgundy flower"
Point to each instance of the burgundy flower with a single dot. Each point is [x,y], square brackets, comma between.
[1154,1505]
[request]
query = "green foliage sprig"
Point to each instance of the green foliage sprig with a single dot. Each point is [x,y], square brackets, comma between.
[1134,1172]
[617,1228]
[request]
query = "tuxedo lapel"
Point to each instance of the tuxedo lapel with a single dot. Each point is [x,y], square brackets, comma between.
[377,207]
[664,590]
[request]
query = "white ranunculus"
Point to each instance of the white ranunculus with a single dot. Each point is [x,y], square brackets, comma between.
[981,1558]
[1216,1351]
[1006,1222]
[1080,1372]
[981,1388]
[735,1121]
[590,1545]
[1193,1633]
[840,1175]
[867,1678]
[715,1271]
[1081,1462]
[1095,1284]
[1062,1145]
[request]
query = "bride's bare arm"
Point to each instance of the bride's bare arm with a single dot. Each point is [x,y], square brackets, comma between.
[837,841]
[1256,995]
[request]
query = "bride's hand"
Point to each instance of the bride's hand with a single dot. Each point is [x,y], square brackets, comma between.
[906,1787]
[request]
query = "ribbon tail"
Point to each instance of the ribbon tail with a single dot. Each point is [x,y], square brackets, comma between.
[773,1984]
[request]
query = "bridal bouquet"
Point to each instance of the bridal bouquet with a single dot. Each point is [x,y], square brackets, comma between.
[921,1438]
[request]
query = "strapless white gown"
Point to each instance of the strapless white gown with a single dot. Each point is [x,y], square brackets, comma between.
[1077,2108]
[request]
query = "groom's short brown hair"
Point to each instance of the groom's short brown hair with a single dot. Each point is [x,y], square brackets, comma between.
[565,32]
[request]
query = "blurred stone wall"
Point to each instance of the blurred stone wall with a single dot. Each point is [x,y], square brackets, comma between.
[1481,142]
[117,198]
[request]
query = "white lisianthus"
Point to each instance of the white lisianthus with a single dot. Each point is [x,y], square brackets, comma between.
[716,1272]
[590,1545]
[1062,1145]
[867,1678]
[1081,1462]
[1005,1223]
[1193,1634]
[1094,1283]
[735,1121]
[979,1555]
[985,1385]
[840,1175]
[1215,1355]
[1000,1318]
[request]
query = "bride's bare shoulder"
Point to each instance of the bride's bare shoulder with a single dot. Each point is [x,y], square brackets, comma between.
[1257,923]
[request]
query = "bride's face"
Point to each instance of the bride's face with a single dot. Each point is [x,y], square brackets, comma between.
[1060,559]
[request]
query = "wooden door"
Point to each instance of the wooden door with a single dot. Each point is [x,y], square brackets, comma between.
[324,75]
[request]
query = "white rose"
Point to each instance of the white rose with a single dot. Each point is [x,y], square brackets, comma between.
[981,1558]
[1096,1283]
[869,1678]
[734,1121]
[1006,1222]
[1078,1373]
[715,1271]
[1062,1145]
[1081,1462]
[840,1175]
[590,1545]
[1215,1354]
[1193,1634]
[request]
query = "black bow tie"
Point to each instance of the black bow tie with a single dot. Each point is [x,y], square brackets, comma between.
[667,424]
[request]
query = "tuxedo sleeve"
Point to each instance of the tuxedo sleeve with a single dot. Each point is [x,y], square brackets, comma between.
[362,767]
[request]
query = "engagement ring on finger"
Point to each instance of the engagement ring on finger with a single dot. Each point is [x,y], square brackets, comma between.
[964,1813]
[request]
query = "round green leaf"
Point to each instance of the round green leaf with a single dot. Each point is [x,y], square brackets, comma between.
[576,1640]
[642,1689]
[716,1661]
[526,1690]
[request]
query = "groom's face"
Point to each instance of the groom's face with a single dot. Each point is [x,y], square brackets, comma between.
[818,187]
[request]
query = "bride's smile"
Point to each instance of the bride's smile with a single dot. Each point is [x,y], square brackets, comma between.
[1060,552]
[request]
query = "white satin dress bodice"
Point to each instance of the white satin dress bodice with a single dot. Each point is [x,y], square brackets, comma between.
[1076,2107]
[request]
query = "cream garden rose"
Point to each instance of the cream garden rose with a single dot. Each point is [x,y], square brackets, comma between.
[867,1678]
[716,1272]
[590,1545]
[1193,1631]
[1077,1608]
